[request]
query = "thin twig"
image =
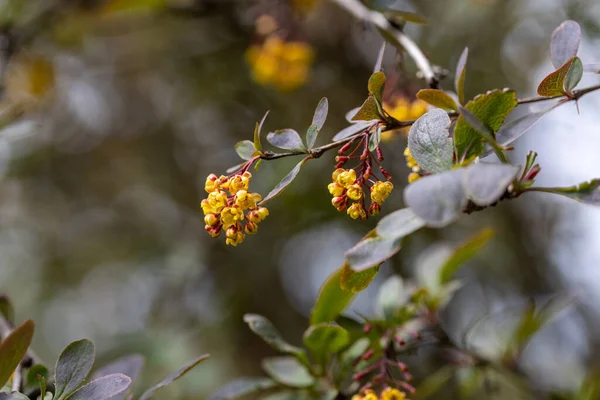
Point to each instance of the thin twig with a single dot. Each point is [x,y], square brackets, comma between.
[360,11]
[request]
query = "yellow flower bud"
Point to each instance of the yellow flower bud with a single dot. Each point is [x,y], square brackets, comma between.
[335,189]
[347,178]
[370,395]
[239,182]
[413,176]
[336,173]
[206,208]
[212,183]
[213,231]
[256,197]
[392,394]
[356,211]
[211,219]
[380,191]
[355,192]
[223,182]
[251,228]
[231,215]
[244,200]
[340,202]
[235,239]
[217,201]
[263,212]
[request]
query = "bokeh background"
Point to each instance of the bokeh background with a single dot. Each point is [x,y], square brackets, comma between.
[127,105]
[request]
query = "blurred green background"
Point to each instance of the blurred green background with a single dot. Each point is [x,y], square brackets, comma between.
[101,233]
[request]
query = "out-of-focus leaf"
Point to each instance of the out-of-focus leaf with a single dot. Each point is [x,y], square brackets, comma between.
[463,253]
[13,348]
[574,75]
[287,395]
[490,109]
[376,85]
[31,379]
[242,387]
[554,84]
[6,309]
[325,339]
[267,332]
[398,224]
[130,366]
[351,130]
[437,98]
[429,142]
[461,72]
[102,388]
[234,168]
[437,199]
[257,129]
[350,114]
[374,139]
[434,382]
[173,377]
[245,149]
[332,300]
[586,192]
[287,139]
[73,366]
[368,111]
[13,396]
[317,122]
[371,252]
[565,42]
[392,296]
[288,371]
[406,16]
[380,55]
[356,350]
[485,183]
[284,182]
[353,281]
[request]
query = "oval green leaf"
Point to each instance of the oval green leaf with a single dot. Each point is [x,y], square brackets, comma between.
[369,111]
[553,85]
[392,296]
[464,253]
[376,85]
[325,339]
[398,224]
[13,348]
[73,366]
[287,139]
[332,300]
[565,42]
[267,332]
[103,388]
[288,371]
[437,98]
[485,183]
[429,142]
[245,149]
[356,281]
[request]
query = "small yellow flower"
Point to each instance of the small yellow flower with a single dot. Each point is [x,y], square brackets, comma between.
[212,183]
[410,161]
[239,182]
[413,176]
[340,202]
[370,395]
[337,173]
[251,228]
[380,191]
[392,394]
[355,192]
[400,110]
[347,178]
[245,200]
[211,219]
[263,212]
[206,208]
[231,215]
[356,211]
[298,52]
[335,189]
[357,397]
[234,236]
[217,201]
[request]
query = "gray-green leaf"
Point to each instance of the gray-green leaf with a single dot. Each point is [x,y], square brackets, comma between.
[370,252]
[351,130]
[287,139]
[429,141]
[398,224]
[73,366]
[174,376]
[288,371]
[245,149]
[130,366]
[485,183]
[103,388]
[325,339]
[242,387]
[565,43]
[267,332]
[284,182]
[392,296]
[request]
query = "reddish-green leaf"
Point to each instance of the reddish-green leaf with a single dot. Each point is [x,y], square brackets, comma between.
[368,111]
[554,84]
[461,72]
[14,348]
[355,281]
[437,98]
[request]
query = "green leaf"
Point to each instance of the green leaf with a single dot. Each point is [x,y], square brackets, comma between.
[435,382]
[325,339]
[392,296]
[257,129]
[173,377]
[461,72]
[245,149]
[267,332]
[355,281]
[242,387]
[13,396]
[287,139]
[13,348]
[437,98]
[317,122]
[437,199]
[376,85]
[490,109]
[284,182]
[356,350]
[464,253]
[565,42]
[73,366]
[332,300]
[371,252]
[574,75]
[429,142]
[103,388]
[351,130]
[554,84]
[369,111]
[6,309]
[31,379]
[380,55]
[399,224]
[130,366]
[288,371]
[374,139]
[311,136]
[586,192]
[485,183]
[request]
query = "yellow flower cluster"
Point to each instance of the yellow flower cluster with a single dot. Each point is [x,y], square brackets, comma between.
[403,110]
[386,394]
[223,211]
[304,5]
[412,164]
[345,189]
[285,65]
